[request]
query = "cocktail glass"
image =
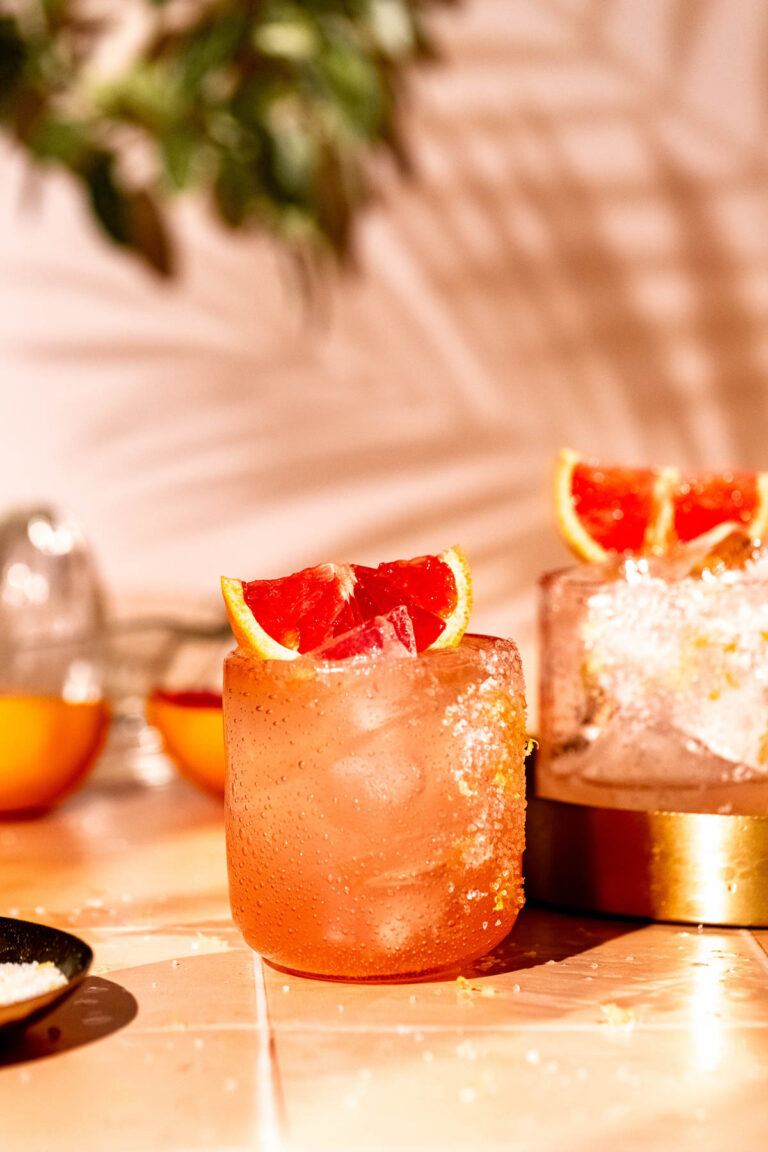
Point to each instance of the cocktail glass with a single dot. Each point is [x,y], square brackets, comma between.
[654,682]
[185,706]
[375,807]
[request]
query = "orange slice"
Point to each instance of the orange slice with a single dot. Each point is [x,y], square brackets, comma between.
[192,729]
[47,747]
[283,618]
[602,509]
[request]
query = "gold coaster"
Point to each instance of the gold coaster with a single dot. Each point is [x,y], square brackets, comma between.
[699,869]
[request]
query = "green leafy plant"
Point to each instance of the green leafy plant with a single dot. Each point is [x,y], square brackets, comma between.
[272,108]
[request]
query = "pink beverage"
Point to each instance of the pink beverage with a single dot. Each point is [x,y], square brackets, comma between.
[375,807]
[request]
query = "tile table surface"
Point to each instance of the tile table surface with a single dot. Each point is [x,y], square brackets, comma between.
[576,1034]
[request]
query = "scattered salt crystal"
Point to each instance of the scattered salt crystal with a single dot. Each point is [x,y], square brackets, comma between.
[465,990]
[617,1016]
[487,991]
[533,1056]
[468,1095]
[175,963]
[516,988]
[211,943]
[286,987]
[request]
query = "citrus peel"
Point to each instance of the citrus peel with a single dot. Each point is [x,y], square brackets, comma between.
[606,509]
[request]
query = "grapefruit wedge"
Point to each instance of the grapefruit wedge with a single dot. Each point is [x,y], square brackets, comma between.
[603,509]
[284,618]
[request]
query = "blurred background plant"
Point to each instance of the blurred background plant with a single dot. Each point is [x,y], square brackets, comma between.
[272,108]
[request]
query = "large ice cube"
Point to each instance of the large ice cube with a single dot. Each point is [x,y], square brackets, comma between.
[389,635]
[643,749]
[727,552]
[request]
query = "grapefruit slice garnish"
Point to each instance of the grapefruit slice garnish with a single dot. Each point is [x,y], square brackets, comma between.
[605,509]
[704,500]
[284,618]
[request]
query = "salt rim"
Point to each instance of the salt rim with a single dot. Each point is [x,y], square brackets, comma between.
[25,980]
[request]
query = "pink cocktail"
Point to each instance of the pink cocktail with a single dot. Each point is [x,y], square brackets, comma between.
[375,807]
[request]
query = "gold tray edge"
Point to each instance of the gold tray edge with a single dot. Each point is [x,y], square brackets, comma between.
[686,867]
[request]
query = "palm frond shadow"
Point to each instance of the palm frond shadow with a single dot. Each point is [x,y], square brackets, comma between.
[327,475]
[517,259]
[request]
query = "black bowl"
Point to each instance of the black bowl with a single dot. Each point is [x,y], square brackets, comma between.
[21,941]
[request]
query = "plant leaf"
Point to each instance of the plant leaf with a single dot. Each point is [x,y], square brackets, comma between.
[108,201]
[13,56]
[147,233]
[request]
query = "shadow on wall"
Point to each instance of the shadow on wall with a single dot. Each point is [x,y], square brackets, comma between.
[580,260]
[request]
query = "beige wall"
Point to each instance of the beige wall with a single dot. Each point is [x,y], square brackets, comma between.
[582,259]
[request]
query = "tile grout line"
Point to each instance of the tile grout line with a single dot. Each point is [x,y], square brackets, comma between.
[269,1126]
[597,1024]
[756,947]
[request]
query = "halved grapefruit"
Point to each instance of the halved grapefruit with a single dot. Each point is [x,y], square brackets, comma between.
[606,509]
[284,618]
[192,729]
